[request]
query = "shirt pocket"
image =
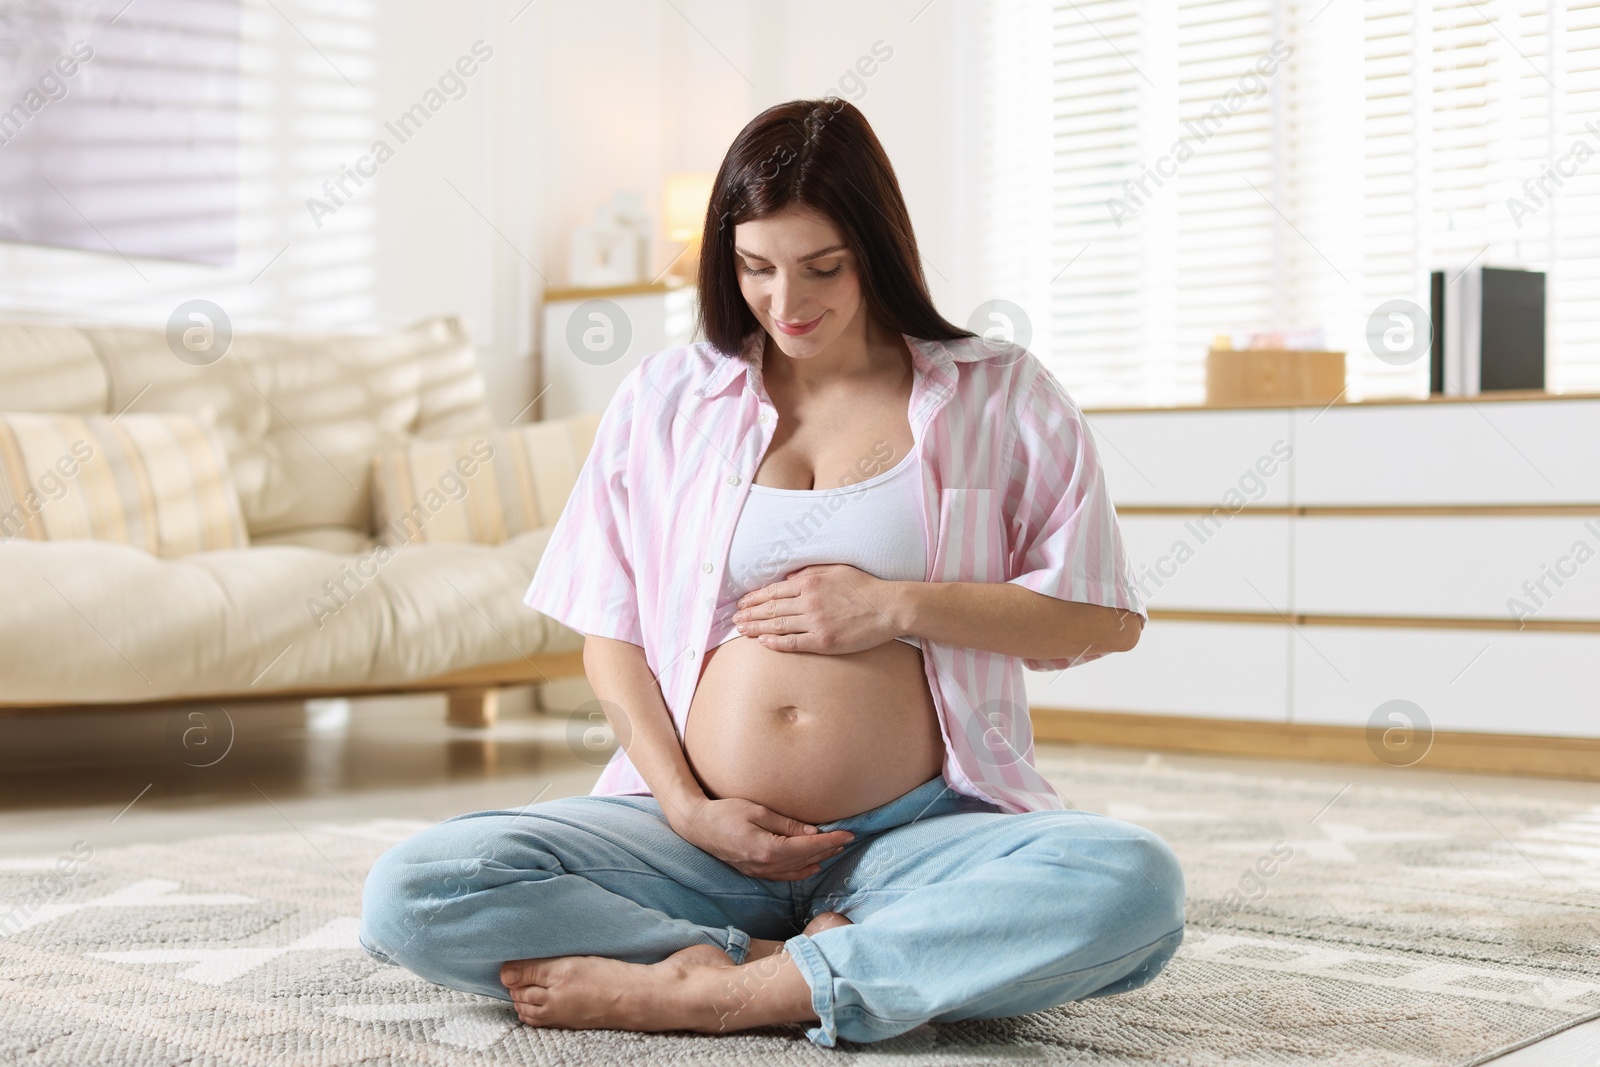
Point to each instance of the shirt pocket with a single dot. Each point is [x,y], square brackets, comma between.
[971,540]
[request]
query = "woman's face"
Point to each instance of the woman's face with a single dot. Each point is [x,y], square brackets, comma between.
[799,279]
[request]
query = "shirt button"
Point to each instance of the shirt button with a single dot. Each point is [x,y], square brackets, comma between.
[706,567]
[762,418]
[691,653]
[733,479]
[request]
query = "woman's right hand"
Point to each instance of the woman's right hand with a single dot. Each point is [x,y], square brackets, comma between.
[756,840]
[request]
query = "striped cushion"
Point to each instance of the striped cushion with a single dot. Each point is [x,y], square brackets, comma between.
[159,482]
[484,488]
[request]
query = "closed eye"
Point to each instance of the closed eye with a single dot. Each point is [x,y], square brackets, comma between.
[834,273]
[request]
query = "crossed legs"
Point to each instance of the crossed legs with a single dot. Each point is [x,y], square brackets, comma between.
[611,920]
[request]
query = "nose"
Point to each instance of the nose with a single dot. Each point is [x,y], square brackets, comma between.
[778,300]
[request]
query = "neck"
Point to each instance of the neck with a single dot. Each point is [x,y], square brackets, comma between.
[862,351]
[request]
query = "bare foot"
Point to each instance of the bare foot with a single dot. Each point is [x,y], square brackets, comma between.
[827,920]
[696,988]
[593,992]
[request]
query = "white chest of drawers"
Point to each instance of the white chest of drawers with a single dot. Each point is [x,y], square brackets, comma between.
[1304,566]
[620,326]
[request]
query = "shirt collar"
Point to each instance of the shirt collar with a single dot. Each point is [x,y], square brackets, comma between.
[928,357]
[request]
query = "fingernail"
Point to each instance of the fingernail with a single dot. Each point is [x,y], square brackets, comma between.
[811,829]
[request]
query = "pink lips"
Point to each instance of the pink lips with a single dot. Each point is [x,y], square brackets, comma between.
[798,329]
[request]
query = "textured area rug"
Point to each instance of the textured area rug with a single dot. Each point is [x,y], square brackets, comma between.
[1408,926]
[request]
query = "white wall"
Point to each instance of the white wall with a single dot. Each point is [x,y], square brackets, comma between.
[578,100]
[636,89]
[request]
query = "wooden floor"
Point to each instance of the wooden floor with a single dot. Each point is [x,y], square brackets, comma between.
[125,777]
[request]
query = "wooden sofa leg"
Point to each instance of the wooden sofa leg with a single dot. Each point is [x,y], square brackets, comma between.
[476,708]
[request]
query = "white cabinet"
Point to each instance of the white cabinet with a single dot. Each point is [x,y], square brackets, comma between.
[1210,458]
[1214,562]
[1216,670]
[1306,565]
[1480,681]
[1510,567]
[591,339]
[1449,453]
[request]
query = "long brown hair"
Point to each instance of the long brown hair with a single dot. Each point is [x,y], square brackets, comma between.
[823,155]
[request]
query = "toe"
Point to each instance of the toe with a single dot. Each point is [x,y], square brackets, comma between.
[518,973]
[527,997]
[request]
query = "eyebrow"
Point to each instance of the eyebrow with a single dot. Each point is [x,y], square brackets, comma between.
[814,255]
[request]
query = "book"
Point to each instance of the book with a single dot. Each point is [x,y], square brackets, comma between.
[1436,317]
[1488,330]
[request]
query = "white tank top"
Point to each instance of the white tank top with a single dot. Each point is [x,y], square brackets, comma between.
[874,525]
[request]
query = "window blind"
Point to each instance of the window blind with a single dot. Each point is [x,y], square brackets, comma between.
[1575,221]
[1098,283]
[1221,166]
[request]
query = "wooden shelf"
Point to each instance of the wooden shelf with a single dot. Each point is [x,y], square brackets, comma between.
[1394,622]
[1497,397]
[552,296]
[1551,757]
[1423,511]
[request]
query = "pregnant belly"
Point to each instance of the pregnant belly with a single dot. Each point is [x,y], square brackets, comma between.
[811,736]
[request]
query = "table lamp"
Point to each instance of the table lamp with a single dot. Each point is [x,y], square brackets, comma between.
[683,208]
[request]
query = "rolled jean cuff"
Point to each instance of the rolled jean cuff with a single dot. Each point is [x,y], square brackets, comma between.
[814,969]
[381,957]
[738,944]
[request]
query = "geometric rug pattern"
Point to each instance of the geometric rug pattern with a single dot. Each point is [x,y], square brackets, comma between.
[1418,925]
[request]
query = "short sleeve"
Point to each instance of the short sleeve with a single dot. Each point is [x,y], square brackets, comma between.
[1066,541]
[586,579]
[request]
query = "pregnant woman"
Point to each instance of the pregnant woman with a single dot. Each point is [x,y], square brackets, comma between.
[811,556]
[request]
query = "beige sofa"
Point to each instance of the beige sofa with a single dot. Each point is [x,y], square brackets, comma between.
[96,623]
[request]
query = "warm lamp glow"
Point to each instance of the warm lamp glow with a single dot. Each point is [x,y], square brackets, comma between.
[683,204]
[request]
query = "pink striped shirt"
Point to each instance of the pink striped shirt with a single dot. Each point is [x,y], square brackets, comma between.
[1012,491]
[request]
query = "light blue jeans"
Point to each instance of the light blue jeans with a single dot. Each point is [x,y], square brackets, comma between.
[959,911]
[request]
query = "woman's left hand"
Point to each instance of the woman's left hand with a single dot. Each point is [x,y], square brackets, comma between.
[831,608]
